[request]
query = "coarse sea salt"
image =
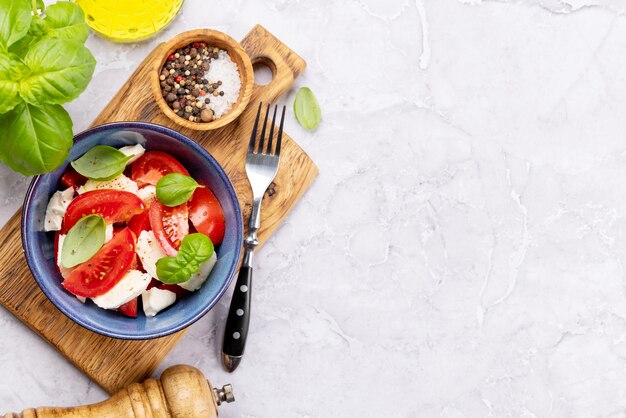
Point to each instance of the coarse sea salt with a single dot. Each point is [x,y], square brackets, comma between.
[225,70]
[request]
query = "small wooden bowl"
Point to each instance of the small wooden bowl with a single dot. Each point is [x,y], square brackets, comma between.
[219,40]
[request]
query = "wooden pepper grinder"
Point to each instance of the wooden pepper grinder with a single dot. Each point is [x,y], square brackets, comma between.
[181,392]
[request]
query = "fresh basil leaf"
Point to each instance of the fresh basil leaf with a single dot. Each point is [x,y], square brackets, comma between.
[306,109]
[83,240]
[101,163]
[60,71]
[170,271]
[40,6]
[14,21]
[38,26]
[8,86]
[35,139]
[197,245]
[65,20]
[20,48]
[194,250]
[175,189]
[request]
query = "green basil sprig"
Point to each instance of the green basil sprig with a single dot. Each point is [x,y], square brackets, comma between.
[43,63]
[175,189]
[194,250]
[101,163]
[83,240]
[306,109]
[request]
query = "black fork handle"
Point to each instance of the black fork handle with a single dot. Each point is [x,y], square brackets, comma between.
[236,331]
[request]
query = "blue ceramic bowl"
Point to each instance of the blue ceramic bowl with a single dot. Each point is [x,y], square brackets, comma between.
[39,245]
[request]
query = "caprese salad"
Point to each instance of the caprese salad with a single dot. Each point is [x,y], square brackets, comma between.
[130,224]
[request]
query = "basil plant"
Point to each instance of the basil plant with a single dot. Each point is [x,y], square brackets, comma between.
[43,64]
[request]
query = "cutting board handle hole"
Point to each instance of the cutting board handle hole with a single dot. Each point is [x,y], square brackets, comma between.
[264,71]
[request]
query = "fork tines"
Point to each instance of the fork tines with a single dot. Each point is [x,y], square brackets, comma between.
[252,148]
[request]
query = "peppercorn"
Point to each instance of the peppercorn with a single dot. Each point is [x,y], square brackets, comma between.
[176,105]
[221,93]
[207,100]
[206,115]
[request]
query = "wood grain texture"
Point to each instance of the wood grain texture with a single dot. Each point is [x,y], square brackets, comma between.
[182,391]
[112,363]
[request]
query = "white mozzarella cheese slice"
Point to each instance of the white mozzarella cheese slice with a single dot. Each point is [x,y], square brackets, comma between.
[135,150]
[108,233]
[197,280]
[147,193]
[132,285]
[64,270]
[120,182]
[57,206]
[149,251]
[155,300]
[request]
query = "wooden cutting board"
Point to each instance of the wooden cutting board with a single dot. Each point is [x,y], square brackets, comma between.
[115,363]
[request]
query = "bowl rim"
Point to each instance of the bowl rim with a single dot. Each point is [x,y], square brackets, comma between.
[26,212]
[246,75]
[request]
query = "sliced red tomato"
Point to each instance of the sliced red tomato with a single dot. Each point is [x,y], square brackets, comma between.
[136,264]
[169,224]
[140,222]
[153,165]
[129,308]
[174,288]
[71,178]
[105,269]
[114,205]
[206,215]
[171,287]
[153,283]
[56,251]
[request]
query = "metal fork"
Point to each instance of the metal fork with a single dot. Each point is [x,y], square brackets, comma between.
[261,167]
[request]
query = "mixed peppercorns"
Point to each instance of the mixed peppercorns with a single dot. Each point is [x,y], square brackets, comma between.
[185,89]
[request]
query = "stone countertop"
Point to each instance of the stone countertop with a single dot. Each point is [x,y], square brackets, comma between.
[462,251]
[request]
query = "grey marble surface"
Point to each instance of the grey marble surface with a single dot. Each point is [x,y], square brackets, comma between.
[462,251]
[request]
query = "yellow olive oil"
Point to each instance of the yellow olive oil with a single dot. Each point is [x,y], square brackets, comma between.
[129,20]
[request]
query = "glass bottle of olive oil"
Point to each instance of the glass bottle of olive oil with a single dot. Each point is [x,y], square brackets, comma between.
[129,20]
